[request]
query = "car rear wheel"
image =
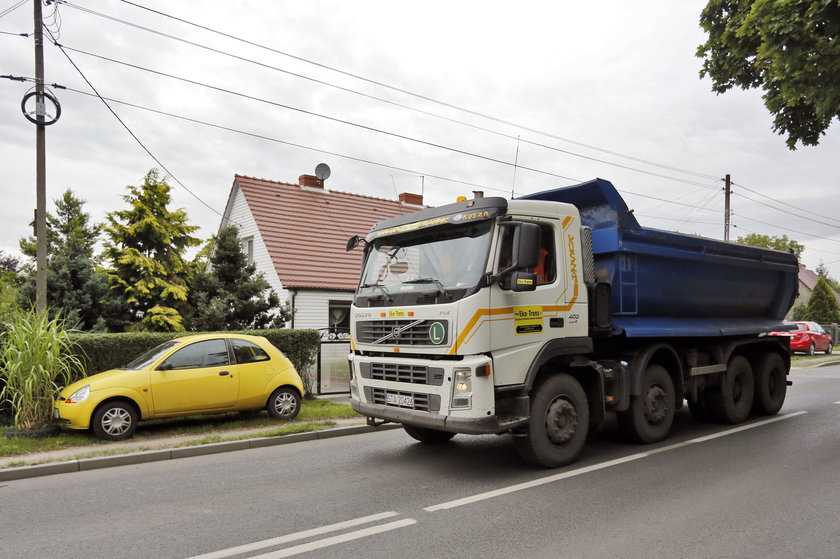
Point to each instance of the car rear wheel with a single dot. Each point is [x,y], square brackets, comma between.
[829,349]
[284,403]
[114,421]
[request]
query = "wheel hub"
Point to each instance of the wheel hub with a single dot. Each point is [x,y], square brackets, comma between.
[656,405]
[560,421]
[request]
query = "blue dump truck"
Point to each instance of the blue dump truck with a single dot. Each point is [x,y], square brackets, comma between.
[536,317]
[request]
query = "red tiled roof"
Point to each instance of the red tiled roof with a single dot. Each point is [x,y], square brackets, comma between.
[809,280]
[306,230]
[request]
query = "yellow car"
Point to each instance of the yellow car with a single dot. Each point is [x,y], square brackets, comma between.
[206,373]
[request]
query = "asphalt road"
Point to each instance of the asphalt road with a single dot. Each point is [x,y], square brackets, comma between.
[768,488]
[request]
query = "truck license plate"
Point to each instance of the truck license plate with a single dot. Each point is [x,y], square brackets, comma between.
[399,400]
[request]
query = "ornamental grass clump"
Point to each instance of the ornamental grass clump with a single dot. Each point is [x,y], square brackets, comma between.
[36,360]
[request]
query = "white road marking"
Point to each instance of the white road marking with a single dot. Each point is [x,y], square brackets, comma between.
[335,540]
[601,466]
[256,546]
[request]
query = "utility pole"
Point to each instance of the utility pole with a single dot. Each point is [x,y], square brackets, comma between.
[728,193]
[40,167]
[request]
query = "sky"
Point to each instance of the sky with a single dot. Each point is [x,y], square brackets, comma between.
[439,98]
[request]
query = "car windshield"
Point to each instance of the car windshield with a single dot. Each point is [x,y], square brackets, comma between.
[150,356]
[800,326]
[442,261]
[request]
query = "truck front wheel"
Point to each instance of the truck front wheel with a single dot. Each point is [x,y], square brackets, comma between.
[429,436]
[651,413]
[559,423]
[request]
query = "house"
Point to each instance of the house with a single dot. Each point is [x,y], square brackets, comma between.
[807,282]
[296,235]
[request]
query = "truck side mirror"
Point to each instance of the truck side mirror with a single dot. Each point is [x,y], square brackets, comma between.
[526,245]
[352,242]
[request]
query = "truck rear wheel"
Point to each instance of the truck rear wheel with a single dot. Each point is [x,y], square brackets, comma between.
[651,413]
[429,436]
[770,384]
[559,423]
[732,401]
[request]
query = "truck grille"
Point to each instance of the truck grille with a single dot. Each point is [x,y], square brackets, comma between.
[403,332]
[402,372]
[422,402]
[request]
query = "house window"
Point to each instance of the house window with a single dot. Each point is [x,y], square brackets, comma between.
[248,249]
[339,320]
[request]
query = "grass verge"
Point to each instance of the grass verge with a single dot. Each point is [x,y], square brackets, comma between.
[314,415]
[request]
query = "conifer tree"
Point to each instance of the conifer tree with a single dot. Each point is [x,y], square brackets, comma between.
[145,248]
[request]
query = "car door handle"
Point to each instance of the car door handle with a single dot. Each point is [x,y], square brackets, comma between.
[224,373]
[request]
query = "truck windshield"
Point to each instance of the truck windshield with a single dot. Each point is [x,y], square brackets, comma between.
[434,265]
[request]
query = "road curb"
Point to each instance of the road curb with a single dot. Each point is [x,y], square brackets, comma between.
[85,464]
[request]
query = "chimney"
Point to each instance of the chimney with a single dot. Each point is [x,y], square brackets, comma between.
[410,199]
[478,194]
[311,181]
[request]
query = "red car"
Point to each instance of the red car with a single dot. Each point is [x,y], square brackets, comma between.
[808,337]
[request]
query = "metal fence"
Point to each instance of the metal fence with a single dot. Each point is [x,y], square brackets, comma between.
[333,368]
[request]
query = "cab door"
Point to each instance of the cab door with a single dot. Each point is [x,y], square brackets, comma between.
[522,322]
[197,377]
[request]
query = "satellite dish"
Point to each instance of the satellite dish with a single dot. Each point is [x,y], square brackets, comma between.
[322,171]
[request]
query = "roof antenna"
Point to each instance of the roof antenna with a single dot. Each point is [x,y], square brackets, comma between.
[515,165]
[395,186]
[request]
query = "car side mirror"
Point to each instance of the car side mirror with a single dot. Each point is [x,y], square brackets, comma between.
[167,366]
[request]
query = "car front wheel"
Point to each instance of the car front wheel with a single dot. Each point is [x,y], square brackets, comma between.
[114,421]
[284,403]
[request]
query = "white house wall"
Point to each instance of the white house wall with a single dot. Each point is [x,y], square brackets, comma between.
[240,215]
[312,307]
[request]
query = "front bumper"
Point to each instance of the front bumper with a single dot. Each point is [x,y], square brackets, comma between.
[489,425]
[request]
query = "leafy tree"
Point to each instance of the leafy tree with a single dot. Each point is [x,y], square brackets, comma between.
[822,305]
[229,294]
[788,48]
[778,243]
[145,248]
[77,290]
[10,278]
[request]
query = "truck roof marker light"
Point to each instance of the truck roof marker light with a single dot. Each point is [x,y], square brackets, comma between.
[461,199]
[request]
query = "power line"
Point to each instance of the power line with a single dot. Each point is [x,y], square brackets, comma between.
[784,203]
[12,8]
[319,115]
[336,154]
[411,93]
[132,134]
[321,82]
[787,212]
[777,226]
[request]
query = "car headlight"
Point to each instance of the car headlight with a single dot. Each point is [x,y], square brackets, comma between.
[79,395]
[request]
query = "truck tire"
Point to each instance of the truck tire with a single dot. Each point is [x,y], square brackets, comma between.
[428,436]
[732,401]
[651,414]
[770,384]
[559,423]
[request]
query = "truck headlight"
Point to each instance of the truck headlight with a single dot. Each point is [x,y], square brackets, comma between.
[462,388]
